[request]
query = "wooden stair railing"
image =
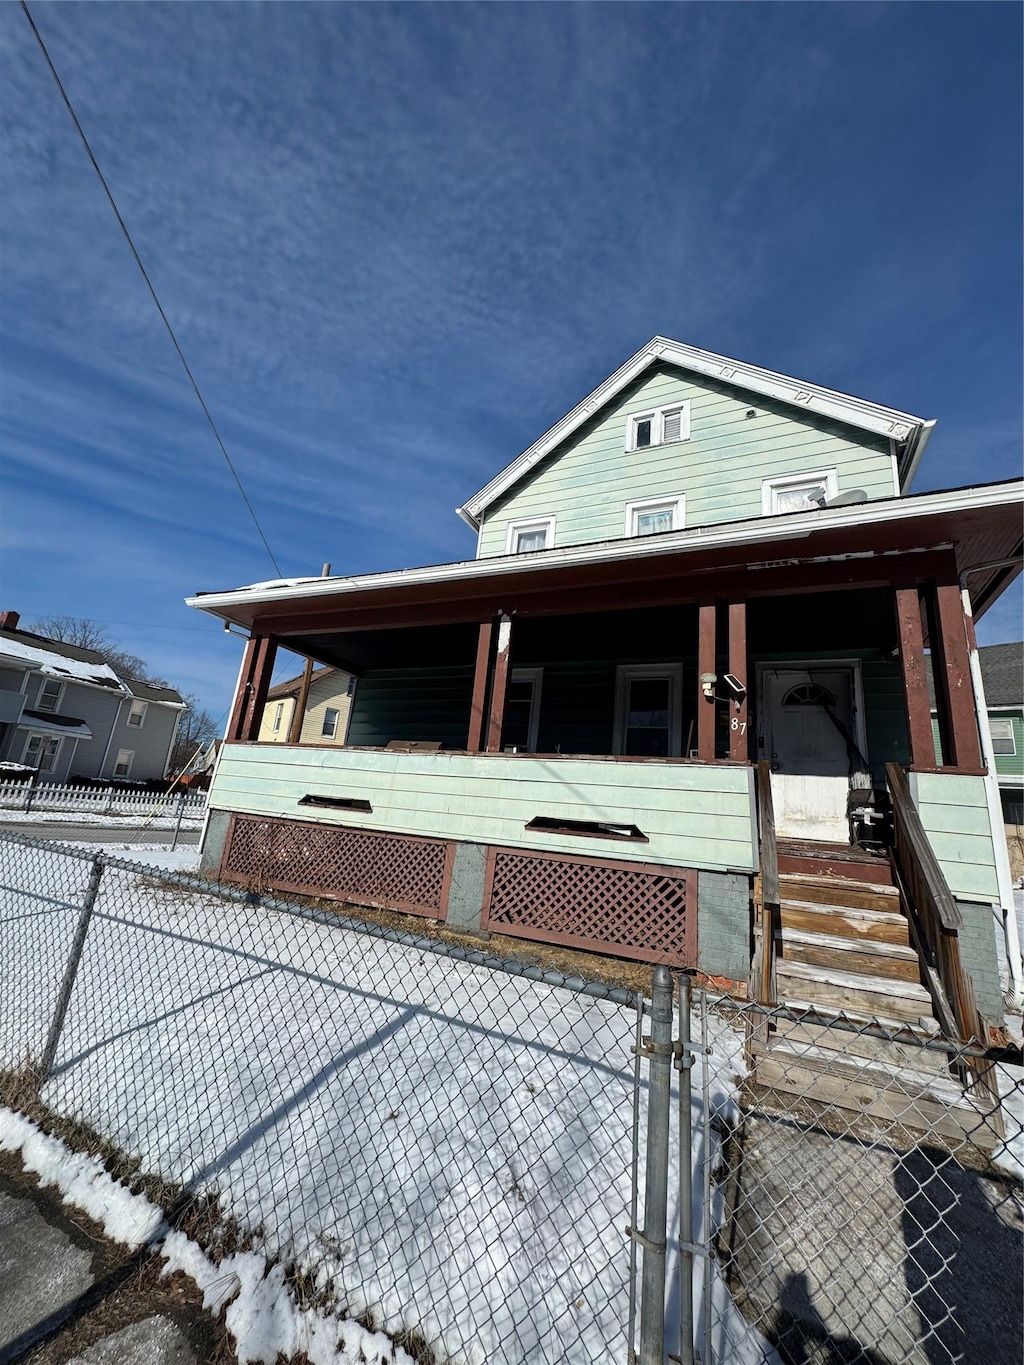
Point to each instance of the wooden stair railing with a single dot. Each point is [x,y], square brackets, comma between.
[767,913]
[935,923]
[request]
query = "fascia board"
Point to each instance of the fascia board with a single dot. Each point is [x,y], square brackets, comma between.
[794,526]
[858,412]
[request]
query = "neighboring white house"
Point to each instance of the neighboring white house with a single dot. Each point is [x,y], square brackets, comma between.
[65,712]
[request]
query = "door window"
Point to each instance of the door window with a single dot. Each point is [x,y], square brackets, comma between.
[41,752]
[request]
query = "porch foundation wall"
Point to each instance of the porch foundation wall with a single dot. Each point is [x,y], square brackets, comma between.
[212,851]
[466,893]
[723,907]
[980,957]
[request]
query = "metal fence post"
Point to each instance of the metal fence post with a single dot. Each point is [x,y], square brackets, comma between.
[685,1065]
[33,782]
[71,970]
[652,1284]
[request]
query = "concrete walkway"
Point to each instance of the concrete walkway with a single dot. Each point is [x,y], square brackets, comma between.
[102,834]
[70,1296]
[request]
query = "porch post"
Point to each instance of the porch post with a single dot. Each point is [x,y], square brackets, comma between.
[739,744]
[499,684]
[952,669]
[476,711]
[705,665]
[915,681]
[251,697]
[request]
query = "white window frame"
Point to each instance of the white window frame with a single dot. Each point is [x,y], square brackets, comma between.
[131,723]
[333,733]
[275,727]
[782,482]
[117,762]
[50,682]
[547,524]
[43,739]
[1008,722]
[675,502]
[624,675]
[656,417]
[536,677]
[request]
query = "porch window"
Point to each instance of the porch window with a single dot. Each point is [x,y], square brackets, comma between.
[137,714]
[522,710]
[658,426]
[798,492]
[123,762]
[523,537]
[1002,736]
[647,701]
[49,695]
[653,515]
[41,752]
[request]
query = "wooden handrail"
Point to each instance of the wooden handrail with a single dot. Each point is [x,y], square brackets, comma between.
[912,847]
[766,894]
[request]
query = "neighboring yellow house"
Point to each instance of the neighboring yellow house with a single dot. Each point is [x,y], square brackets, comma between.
[325,720]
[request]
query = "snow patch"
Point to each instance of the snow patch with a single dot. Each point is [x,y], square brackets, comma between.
[57,665]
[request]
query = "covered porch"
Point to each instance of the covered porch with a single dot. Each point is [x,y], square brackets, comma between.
[561,745]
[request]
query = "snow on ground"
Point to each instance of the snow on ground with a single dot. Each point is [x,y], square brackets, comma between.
[261,1316]
[40,815]
[153,855]
[444,1148]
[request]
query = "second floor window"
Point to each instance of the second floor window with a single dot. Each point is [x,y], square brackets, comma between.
[524,536]
[330,726]
[658,426]
[653,515]
[278,714]
[49,695]
[1002,736]
[137,715]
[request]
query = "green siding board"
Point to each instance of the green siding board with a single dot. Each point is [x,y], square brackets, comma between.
[950,805]
[694,816]
[719,469]
[412,703]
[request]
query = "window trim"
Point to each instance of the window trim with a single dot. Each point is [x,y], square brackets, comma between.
[275,724]
[137,701]
[333,734]
[43,739]
[675,501]
[624,675]
[530,524]
[117,759]
[44,684]
[778,484]
[1008,722]
[536,677]
[656,416]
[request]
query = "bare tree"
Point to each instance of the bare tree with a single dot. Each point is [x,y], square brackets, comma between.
[195,731]
[87,634]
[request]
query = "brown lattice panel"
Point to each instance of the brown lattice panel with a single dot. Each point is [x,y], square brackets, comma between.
[632,910]
[395,871]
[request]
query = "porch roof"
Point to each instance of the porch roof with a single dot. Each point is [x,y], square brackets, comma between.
[978,526]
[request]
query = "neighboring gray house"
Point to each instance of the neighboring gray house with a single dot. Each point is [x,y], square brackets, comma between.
[64,711]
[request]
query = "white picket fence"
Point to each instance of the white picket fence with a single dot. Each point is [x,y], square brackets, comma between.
[100,801]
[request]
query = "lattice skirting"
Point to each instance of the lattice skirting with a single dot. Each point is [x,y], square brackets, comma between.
[396,871]
[635,910]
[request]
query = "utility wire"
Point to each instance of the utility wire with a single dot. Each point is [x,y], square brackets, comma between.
[149,284]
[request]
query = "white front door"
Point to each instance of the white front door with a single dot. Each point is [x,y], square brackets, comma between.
[806,711]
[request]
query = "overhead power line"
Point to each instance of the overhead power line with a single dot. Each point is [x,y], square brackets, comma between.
[149,284]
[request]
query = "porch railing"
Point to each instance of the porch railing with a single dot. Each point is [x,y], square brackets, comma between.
[767,901]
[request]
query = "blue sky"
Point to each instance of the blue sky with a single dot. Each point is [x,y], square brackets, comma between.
[398,242]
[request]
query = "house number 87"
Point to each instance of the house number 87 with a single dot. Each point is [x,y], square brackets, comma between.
[737,724]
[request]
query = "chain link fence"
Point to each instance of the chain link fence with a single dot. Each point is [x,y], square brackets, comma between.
[493,1161]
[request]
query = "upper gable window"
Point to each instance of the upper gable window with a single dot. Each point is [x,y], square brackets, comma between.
[798,492]
[654,515]
[658,426]
[137,714]
[524,536]
[49,695]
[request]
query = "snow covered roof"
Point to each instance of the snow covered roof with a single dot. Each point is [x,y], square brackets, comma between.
[57,660]
[48,723]
[149,692]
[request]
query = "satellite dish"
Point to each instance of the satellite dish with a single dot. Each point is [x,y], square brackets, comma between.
[848,498]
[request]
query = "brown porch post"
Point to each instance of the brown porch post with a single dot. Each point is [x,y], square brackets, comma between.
[234,730]
[915,681]
[476,710]
[705,664]
[258,687]
[299,714]
[499,685]
[739,744]
[952,668]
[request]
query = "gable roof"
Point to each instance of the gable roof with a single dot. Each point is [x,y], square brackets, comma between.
[910,434]
[291,686]
[149,692]
[56,659]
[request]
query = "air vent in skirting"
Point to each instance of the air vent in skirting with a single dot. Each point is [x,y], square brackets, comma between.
[336,802]
[593,829]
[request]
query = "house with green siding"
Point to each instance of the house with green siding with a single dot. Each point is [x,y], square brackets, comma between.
[673,708]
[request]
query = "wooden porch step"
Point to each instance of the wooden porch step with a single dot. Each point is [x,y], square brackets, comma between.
[868,997]
[875,1089]
[864,957]
[839,862]
[847,894]
[878,926]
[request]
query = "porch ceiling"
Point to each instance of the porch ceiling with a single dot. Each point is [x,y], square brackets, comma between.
[895,540]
